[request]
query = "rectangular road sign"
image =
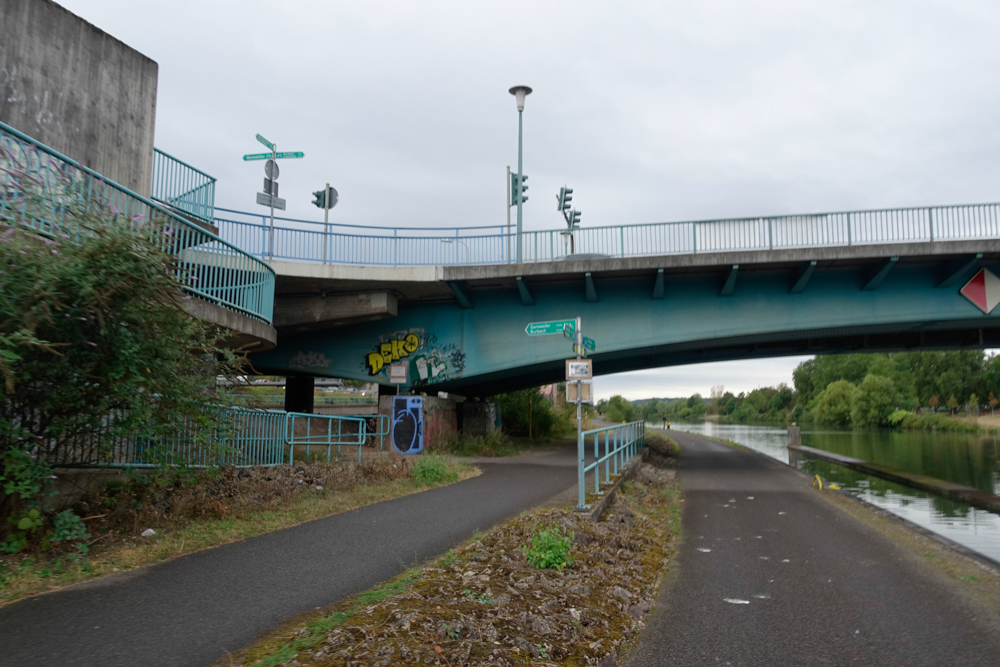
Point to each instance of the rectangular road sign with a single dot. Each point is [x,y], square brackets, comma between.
[545,328]
[586,389]
[266,200]
[289,154]
[256,156]
[265,142]
[589,343]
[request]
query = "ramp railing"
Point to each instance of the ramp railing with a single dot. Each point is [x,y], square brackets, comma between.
[44,190]
[183,187]
[613,448]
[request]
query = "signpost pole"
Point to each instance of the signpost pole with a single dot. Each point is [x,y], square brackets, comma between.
[326,219]
[508,214]
[270,236]
[579,421]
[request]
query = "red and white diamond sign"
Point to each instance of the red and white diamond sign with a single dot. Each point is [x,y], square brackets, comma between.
[983,290]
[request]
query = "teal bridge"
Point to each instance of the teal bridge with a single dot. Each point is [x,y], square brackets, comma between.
[450,307]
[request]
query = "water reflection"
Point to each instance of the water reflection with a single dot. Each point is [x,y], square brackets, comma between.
[961,458]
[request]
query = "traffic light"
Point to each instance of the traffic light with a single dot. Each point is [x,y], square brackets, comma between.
[564,198]
[320,198]
[574,219]
[518,187]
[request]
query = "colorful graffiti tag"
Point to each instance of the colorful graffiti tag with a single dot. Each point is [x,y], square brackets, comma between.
[426,361]
[392,350]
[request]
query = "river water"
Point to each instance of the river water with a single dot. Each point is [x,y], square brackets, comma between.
[965,459]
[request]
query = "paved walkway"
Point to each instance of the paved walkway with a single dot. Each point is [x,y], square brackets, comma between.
[769,574]
[189,611]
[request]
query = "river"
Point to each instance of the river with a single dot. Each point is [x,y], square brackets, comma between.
[965,459]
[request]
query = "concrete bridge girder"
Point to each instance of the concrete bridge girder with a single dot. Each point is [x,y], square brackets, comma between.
[783,303]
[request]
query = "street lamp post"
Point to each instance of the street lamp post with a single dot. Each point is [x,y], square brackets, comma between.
[519,93]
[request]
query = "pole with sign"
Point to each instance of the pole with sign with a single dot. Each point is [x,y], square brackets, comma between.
[579,416]
[270,197]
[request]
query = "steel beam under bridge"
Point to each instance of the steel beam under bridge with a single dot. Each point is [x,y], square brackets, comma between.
[650,312]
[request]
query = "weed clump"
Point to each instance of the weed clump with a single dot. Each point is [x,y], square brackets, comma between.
[432,469]
[549,549]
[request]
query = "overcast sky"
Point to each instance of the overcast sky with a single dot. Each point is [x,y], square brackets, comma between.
[651,111]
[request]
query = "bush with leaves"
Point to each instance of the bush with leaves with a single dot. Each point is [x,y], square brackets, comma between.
[95,344]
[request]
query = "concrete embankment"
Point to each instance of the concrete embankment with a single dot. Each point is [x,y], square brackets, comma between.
[939,487]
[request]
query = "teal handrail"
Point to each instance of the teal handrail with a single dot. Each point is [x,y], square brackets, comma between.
[178,185]
[621,443]
[210,268]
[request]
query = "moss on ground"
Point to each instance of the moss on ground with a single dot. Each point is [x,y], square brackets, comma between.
[482,604]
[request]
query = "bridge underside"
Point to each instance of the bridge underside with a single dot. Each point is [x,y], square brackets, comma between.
[465,332]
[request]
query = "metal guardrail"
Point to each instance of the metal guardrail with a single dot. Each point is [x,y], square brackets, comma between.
[329,432]
[180,186]
[39,188]
[309,241]
[621,443]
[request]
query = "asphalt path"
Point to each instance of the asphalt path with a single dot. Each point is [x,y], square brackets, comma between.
[770,574]
[189,611]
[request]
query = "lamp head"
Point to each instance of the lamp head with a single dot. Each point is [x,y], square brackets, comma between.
[519,93]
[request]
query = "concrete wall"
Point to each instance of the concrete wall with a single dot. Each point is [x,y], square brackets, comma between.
[78,90]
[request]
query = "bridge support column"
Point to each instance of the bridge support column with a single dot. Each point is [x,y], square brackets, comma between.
[299,393]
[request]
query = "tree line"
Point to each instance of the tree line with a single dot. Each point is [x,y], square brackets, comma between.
[860,389]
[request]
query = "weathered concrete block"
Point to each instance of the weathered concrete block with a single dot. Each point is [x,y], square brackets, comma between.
[78,90]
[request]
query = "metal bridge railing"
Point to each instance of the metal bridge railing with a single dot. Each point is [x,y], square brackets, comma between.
[308,241]
[620,444]
[41,188]
[324,431]
[180,186]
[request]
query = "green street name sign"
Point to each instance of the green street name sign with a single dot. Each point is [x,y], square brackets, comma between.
[291,154]
[589,343]
[265,142]
[257,156]
[545,328]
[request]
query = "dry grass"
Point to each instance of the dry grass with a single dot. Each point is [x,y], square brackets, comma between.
[210,512]
[483,604]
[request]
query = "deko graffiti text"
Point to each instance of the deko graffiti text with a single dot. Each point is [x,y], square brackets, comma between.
[392,350]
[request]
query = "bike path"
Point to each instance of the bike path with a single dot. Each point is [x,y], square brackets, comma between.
[770,574]
[189,611]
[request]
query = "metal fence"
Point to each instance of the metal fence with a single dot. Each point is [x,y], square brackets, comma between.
[242,437]
[620,444]
[182,187]
[47,191]
[309,241]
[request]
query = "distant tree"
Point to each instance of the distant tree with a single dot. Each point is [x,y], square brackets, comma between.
[782,400]
[833,404]
[694,399]
[933,402]
[952,404]
[601,405]
[874,401]
[993,401]
[619,410]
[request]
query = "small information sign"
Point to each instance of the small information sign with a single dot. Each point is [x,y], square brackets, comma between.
[579,369]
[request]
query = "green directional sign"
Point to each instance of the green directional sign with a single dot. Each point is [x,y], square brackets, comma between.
[589,343]
[257,156]
[290,154]
[545,328]
[265,142]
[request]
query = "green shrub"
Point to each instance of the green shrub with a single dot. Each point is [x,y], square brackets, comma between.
[549,549]
[518,408]
[431,469]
